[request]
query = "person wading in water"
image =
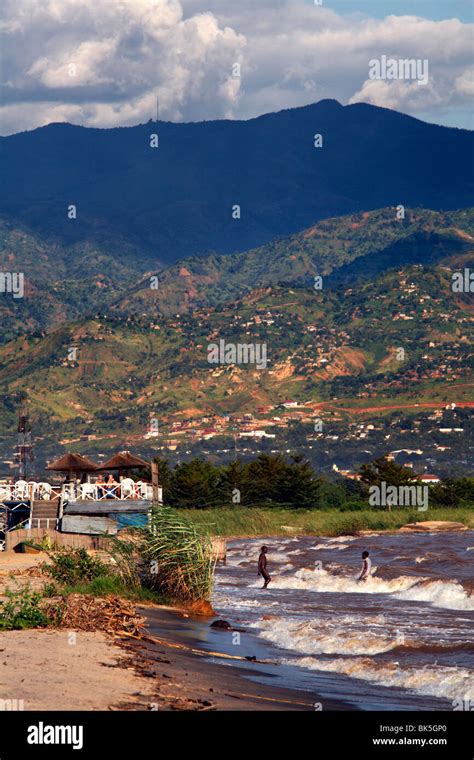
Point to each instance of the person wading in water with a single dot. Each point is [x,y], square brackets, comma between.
[366,567]
[262,566]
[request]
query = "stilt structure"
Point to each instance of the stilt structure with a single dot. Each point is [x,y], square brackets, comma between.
[24,451]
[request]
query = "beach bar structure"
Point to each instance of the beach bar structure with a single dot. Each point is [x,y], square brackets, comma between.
[85,503]
[72,464]
[124,462]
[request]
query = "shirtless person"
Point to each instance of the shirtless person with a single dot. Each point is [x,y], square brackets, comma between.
[366,567]
[262,566]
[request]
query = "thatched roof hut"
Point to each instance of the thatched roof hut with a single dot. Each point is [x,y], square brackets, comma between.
[124,461]
[70,462]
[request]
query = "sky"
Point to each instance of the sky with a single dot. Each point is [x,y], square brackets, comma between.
[104,63]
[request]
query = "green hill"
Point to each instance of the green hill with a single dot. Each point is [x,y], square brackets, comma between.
[403,335]
[351,246]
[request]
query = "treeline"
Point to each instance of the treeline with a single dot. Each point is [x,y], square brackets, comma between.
[264,481]
[279,481]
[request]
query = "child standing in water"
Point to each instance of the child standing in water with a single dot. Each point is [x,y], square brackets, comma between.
[366,567]
[262,566]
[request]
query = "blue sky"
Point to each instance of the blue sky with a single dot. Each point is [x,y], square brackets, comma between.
[434,9]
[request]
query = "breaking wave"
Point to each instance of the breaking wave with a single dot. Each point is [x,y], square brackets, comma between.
[315,637]
[448,594]
[437,681]
[322,581]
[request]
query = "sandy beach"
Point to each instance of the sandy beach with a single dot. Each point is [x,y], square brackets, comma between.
[66,670]
[78,670]
[63,670]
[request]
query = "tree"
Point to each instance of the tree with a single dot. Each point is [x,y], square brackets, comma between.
[299,487]
[165,474]
[235,483]
[451,492]
[194,484]
[273,479]
[384,470]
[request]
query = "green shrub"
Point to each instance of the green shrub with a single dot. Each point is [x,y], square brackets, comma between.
[49,590]
[107,585]
[70,566]
[22,610]
[353,506]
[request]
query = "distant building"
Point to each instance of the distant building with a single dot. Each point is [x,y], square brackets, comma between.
[256,434]
[429,479]
[346,473]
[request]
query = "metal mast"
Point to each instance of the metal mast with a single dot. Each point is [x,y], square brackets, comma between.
[24,453]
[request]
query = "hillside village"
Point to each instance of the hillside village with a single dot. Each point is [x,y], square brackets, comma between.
[371,356]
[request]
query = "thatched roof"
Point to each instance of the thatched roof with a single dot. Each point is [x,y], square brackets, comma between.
[124,461]
[72,462]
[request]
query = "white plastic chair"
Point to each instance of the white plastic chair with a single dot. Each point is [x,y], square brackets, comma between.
[44,491]
[21,489]
[5,492]
[87,491]
[128,488]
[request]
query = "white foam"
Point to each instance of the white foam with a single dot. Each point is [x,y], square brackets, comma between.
[436,681]
[323,582]
[448,594]
[318,637]
[221,600]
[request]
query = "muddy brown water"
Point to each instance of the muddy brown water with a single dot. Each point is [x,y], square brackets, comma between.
[401,640]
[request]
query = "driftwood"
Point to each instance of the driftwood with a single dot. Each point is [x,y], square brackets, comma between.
[109,614]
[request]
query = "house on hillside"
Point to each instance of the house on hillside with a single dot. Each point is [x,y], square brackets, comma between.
[428,480]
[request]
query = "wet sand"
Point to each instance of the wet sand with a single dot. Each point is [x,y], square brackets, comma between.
[190,673]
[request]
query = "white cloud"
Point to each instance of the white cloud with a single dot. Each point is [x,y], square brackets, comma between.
[464,83]
[103,62]
[406,96]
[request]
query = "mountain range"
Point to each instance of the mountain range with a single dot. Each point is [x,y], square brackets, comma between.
[121,303]
[179,199]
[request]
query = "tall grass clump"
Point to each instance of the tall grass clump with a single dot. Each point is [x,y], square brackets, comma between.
[179,558]
[126,554]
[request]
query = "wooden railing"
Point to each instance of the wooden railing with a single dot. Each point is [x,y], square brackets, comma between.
[26,492]
[104,491]
[42,491]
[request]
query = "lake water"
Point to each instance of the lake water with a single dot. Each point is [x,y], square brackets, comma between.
[401,640]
